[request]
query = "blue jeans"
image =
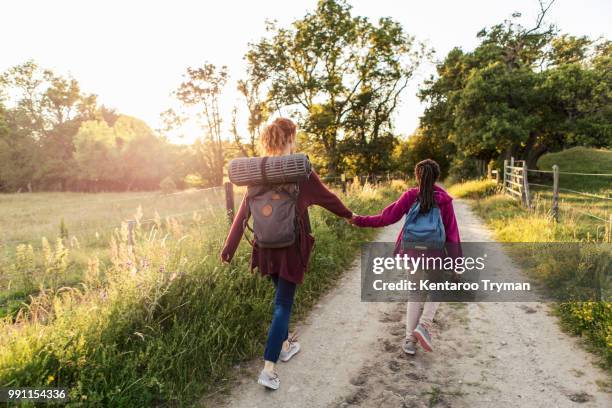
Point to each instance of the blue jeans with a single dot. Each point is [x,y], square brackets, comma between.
[279,329]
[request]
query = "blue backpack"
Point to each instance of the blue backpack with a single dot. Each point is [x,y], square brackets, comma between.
[423,230]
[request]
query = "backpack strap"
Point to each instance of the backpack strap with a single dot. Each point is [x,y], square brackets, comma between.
[245,222]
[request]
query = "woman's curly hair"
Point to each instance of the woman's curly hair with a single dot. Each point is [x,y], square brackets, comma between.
[277,135]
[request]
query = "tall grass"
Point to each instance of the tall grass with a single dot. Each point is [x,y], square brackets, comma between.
[473,189]
[162,324]
[31,225]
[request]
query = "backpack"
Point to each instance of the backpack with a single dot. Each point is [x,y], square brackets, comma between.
[423,230]
[273,208]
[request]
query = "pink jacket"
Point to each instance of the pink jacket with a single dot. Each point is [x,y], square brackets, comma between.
[396,210]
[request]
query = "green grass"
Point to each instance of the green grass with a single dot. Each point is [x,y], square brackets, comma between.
[580,160]
[160,327]
[591,211]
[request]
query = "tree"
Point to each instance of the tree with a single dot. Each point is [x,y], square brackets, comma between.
[125,156]
[341,74]
[521,92]
[200,91]
[258,114]
[48,109]
[417,147]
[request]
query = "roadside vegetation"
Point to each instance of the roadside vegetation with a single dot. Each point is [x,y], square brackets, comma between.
[559,272]
[473,189]
[161,324]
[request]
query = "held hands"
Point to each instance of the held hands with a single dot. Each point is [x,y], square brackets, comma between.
[352,219]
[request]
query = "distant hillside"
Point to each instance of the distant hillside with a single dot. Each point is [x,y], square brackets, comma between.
[581,160]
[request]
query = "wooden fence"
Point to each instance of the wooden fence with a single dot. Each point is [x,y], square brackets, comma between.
[516,183]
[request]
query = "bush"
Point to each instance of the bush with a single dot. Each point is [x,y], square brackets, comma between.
[167,185]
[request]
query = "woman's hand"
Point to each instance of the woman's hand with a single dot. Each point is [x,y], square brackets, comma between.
[352,219]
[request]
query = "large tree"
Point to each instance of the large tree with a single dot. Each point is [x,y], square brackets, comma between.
[341,75]
[521,92]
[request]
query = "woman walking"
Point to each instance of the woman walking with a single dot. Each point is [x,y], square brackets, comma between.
[285,266]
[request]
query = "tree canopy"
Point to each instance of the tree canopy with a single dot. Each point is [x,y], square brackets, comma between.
[521,92]
[342,76]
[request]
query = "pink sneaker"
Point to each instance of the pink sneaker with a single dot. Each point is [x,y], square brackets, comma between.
[422,335]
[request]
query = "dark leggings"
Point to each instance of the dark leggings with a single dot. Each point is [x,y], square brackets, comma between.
[279,329]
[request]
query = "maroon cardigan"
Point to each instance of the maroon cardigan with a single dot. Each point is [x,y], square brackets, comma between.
[289,263]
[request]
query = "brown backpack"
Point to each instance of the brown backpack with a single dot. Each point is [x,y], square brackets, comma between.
[274,211]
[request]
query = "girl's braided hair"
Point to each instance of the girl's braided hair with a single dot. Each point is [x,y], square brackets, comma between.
[427,173]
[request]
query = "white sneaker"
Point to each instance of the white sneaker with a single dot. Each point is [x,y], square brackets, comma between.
[268,380]
[294,348]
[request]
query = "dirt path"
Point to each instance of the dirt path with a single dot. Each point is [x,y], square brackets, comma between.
[487,354]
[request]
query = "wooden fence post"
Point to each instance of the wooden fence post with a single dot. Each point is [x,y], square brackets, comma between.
[490,171]
[343,180]
[229,201]
[555,203]
[505,176]
[527,198]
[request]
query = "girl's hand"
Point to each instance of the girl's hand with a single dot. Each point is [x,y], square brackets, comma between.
[352,219]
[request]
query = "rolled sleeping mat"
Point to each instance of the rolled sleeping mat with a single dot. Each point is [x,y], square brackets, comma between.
[250,171]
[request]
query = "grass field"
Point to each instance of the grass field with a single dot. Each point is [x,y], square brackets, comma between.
[584,198]
[160,325]
[581,160]
[89,221]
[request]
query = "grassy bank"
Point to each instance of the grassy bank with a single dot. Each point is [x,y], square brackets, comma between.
[162,325]
[581,160]
[511,223]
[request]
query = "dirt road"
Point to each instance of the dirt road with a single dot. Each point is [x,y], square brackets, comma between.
[487,354]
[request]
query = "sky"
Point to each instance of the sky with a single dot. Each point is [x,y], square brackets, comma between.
[132,54]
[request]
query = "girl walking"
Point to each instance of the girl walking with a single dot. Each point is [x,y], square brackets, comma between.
[285,266]
[419,312]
